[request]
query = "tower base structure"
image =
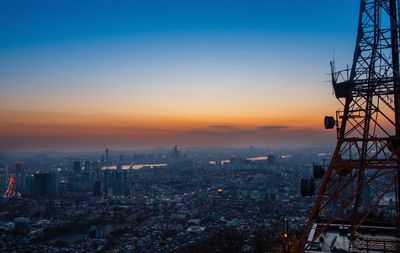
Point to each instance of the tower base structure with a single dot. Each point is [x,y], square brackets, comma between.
[337,238]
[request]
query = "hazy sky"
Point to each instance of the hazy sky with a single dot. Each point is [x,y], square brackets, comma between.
[81,74]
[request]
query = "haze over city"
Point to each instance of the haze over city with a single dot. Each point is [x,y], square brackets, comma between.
[132,75]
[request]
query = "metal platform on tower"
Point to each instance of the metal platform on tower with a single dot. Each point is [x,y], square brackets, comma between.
[337,238]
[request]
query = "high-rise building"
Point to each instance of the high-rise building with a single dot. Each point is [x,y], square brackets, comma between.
[87,165]
[19,167]
[97,188]
[107,156]
[45,185]
[28,185]
[77,167]
[175,152]
[115,182]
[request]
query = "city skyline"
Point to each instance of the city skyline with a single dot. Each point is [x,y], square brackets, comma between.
[131,75]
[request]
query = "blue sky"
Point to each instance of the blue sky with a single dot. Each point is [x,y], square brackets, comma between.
[29,23]
[175,63]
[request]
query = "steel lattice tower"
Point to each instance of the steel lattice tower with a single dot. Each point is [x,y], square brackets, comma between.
[365,165]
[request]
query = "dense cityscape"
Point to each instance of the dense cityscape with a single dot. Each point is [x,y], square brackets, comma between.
[231,200]
[200,126]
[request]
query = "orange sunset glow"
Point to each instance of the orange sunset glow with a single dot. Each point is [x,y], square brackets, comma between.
[145,87]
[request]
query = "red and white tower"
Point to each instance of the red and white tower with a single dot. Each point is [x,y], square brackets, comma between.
[357,208]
